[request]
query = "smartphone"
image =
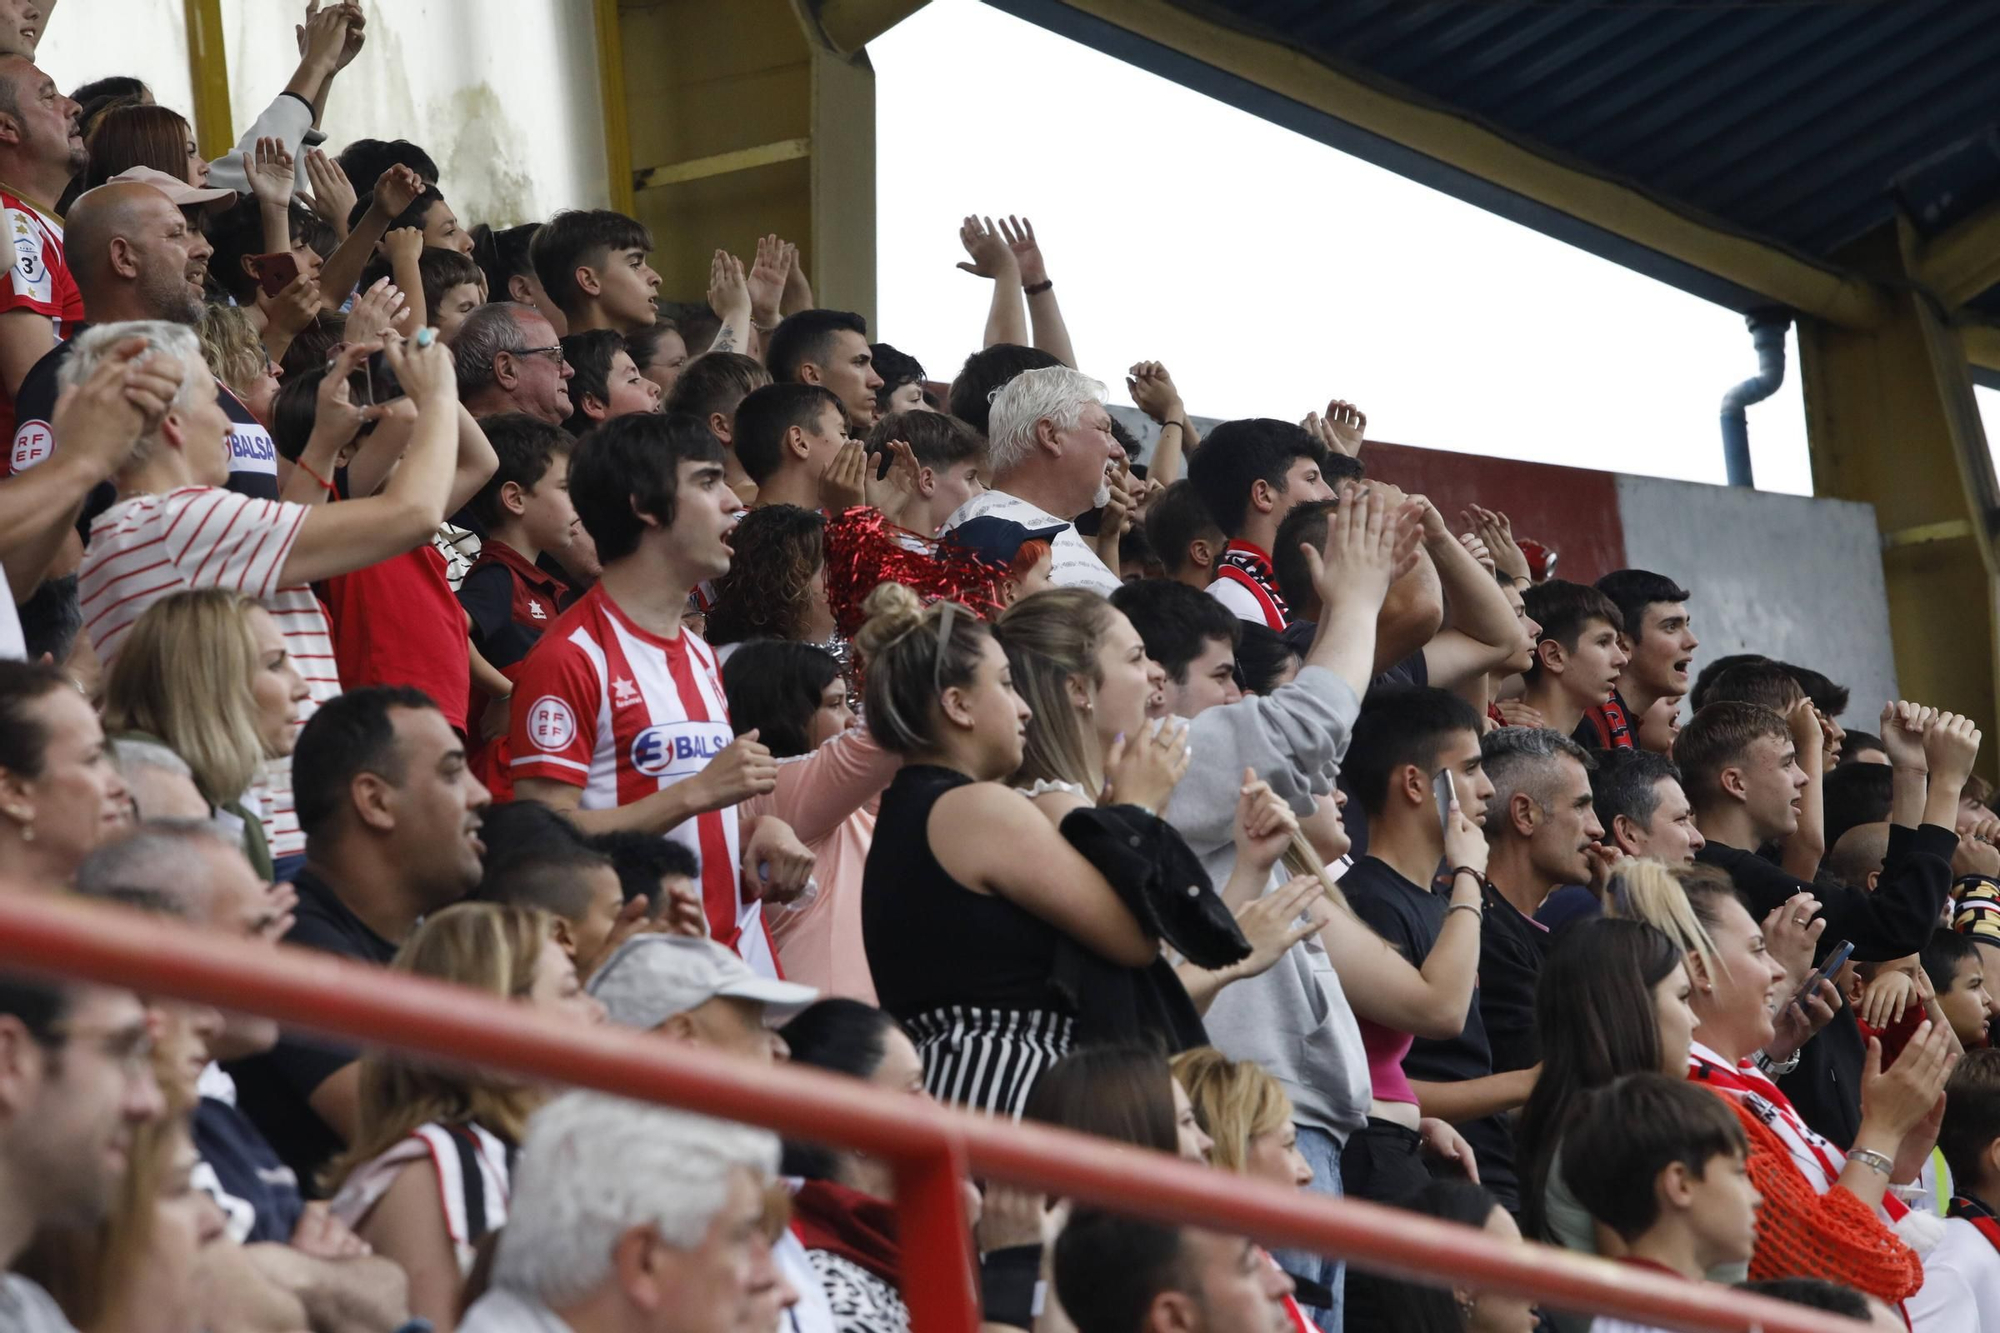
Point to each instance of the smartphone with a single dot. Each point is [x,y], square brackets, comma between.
[1833,963]
[1444,793]
[374,382]
[276,272]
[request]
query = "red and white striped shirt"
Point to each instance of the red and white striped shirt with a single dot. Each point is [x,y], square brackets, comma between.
[152,546]
[606,706]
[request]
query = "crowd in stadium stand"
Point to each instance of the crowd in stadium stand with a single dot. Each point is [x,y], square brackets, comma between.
[447,599]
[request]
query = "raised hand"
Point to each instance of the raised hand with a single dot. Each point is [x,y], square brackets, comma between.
[1153,392]
[1143,770]
[1791,932]
[323,37]
[902,481]
[395,190]
[1976,854]
[1271,923]
[991,255]
[271,173]
[1497,531]
[1344,426]
[105,416]
[337,417]
[798,291]
[1368,546]
[1019,234]
[373,312]
[404,245]
[332,193]
[294,307]
[1902,731]
[1478,550]
[767,281]
[426,373]
[1464,841]
[843,485]
[1265,825]
[1951,744]
[728,288]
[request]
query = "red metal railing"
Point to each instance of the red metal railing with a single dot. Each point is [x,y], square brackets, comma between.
[931,1146]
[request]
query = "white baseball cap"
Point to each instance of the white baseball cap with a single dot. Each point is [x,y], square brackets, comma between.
[650,978]
[176,189]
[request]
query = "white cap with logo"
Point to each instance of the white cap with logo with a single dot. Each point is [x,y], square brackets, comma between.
[650,978]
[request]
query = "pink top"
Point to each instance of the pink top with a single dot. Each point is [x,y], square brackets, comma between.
[1386,1048]
[829,799]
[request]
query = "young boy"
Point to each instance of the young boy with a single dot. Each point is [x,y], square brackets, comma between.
[1578,660]
[1664,1164]
[951,456]
[1957,972]
[592,263]
[1962,1275]
[607,382]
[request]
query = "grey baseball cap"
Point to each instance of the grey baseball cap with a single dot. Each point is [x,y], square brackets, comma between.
[650,978]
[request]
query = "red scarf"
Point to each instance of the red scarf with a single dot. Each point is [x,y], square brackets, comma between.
[1245,564]
[858,1227]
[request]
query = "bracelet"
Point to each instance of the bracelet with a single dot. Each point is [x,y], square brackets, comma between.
[1180,426]
[329,486]
[1038,288]
[1464,907]
[1873,1160]
[1456,871]
[1777,1068]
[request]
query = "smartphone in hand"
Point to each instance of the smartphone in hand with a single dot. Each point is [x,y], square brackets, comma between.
[275,272]
[1445,793]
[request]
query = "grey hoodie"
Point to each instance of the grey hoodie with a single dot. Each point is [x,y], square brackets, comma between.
[1294,1020]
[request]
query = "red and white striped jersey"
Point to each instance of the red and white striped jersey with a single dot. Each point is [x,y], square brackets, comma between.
[606,706]
[152,546]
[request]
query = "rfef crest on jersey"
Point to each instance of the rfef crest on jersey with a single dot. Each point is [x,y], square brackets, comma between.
[551,724]
[33,443]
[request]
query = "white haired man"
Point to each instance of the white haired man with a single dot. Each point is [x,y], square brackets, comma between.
[1052,452]
[628,1217]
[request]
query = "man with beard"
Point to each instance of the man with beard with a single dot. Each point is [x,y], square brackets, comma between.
[41,148]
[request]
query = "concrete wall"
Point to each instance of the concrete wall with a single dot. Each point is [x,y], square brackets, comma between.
[147,39]
[1795,578]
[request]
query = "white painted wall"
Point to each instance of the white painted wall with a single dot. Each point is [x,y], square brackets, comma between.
[90,39]
[1787,576]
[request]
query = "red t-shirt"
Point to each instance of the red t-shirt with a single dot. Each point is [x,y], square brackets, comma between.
[397,623]
[38,281]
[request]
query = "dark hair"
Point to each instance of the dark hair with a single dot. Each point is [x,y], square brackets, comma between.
[314,345]
[1705,678]
[840,1036]
[1971,1116]
[1595,1017]
[630,466]
[1177,622]
[1827,696]
[1401,725]
[1122,1092]
[642,859]
[137,135]
[364,161]
[527,448]
[1854,795]
[1767,683]
[440,270]
[1943,954]
[551,877]
[111,85]
[294,409]
[765,414]
[413,216]
[1109,1270]
[1262,655]
[1627,782]
[1855,743]
[643,344]
[1304,526]
[716,382]
[1236,455]
[937,440]
[1815,1293]
[41,1006]
[774,687]
[24,741]
[1623,1136]
[238,233]
[525,828]
[51,618]
[1716,737]
[1174,520]
[778,553]
[1633,590]
[590,354]
[580,237]
[1419,1306]
[896,369]
[351,734]
[807,336]
[985,373]
[501,254]
[1563,610]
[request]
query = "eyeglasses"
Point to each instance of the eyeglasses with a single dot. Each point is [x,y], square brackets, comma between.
[552,350]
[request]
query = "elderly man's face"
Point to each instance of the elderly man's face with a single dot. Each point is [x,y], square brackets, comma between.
[1086,453]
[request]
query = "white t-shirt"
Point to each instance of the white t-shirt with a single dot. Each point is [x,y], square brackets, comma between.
[1961,1291]
[1072,564]
[152,546]
[13,644]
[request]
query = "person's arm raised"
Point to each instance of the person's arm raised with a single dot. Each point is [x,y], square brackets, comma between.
[1480,629]
[1045,316]
[729,298]
[1153,392]
[1370,543]
[1806,846]
[474,462]
[1006,317]
[341,538]
[395,190]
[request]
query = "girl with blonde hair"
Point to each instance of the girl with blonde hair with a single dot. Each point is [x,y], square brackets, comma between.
[428,1173]
[1246,1112]
[206,673]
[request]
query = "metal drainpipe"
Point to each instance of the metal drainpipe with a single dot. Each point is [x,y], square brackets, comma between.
[1767,335]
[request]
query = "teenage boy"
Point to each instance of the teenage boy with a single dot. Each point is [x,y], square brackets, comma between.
[1405,739]
[626,724]
[1665,1165]
[1659,643]
[1957,973]
[788,437]
[710,389]
[1253,475]
[592,263]
[1184,534]
[1961,1288]
[951,456]
[1578,660]
[829,348]
[606,382]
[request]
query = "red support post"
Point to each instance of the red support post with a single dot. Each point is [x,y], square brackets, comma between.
[938,1262]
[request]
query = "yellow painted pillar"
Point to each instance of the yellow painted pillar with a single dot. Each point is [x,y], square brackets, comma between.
[1891,419]
[725,122]
[208,69]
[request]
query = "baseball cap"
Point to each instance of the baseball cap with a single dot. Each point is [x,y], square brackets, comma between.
[176,189]
[996,541]
[650,978]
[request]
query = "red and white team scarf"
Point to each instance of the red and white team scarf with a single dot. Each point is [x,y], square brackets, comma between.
[1244,564]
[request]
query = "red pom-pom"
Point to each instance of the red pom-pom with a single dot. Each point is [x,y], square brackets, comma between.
[863,550]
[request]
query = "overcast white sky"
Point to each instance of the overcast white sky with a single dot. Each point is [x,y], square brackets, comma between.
[1271,273]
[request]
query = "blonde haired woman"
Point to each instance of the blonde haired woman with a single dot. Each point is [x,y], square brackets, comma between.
[428,1174]
[1247,1114]
[206,673]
